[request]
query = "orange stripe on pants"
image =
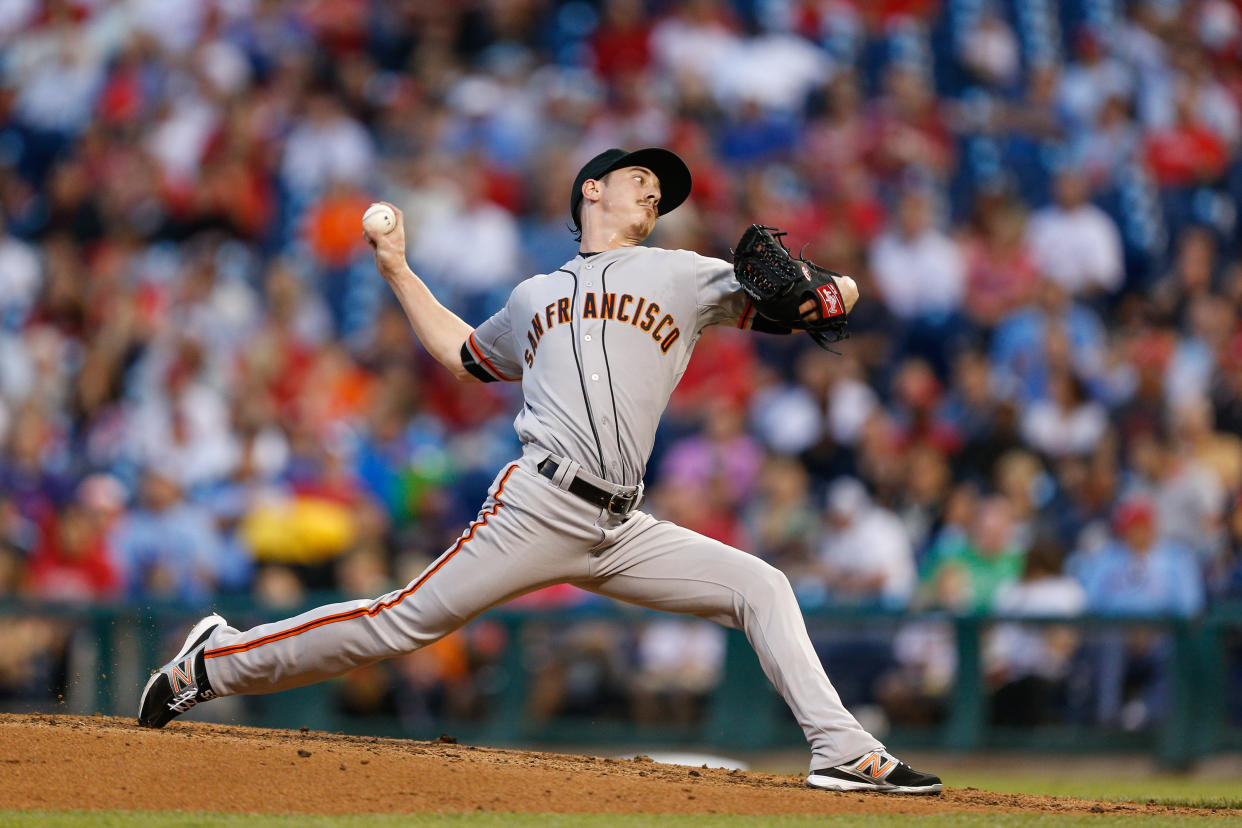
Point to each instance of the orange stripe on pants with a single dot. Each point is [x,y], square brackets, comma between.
[378,608]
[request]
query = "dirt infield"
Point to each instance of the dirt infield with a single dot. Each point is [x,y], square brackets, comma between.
[96,762]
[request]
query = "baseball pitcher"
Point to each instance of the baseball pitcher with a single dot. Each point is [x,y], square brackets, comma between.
[598,346]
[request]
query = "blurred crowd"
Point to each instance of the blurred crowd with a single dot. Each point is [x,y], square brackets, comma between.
[207,391]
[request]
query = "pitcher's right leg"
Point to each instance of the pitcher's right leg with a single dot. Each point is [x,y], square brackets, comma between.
[510,549]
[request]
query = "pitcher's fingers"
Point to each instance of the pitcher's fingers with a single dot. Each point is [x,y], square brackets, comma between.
[849,292]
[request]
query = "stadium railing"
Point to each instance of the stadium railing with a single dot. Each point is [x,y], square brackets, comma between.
[112,647]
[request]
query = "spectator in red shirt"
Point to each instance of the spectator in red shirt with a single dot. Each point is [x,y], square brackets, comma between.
[1186,153]
[71,560]
[1000,272]
[908,129]
[620,43]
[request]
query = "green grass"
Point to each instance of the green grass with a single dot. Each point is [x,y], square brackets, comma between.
[1166,789]
[139,819]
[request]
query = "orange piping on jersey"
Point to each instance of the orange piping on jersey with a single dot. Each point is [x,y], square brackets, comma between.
[474,349]
[375,610]
[750,306]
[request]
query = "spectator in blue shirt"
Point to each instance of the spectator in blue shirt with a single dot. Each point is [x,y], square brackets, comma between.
[170,548]
[1141,574]
[1137,574]
[1020,345]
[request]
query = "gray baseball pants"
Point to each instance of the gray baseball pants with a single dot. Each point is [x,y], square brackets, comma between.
[531,534]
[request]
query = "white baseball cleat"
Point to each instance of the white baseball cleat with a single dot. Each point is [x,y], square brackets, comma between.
[877,771]
[181,683]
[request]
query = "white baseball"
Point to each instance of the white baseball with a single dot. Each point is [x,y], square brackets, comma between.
[379,219]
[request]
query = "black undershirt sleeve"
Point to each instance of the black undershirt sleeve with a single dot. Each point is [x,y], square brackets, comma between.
[472,365]
[764,325]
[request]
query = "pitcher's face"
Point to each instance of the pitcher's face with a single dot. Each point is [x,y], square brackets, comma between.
[631,197]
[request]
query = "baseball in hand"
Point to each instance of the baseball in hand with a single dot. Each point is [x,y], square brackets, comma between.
[379,219]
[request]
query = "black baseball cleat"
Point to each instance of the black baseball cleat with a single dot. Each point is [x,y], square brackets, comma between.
[877,771]
[181,683]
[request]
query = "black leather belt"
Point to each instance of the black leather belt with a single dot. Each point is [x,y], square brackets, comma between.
[612,502]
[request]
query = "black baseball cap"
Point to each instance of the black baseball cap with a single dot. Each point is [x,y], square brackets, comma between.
[673,173]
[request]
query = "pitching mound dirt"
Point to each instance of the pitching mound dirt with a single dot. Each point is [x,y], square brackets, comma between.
[96,762]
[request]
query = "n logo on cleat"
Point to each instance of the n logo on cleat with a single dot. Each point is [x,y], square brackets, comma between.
[875,765]
[180,676]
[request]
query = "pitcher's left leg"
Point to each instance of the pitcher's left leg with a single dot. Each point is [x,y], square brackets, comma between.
[667,567]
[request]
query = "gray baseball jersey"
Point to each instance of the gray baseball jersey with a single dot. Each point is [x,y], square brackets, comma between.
[599,346]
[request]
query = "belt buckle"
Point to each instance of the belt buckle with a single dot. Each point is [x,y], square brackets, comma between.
[627,503]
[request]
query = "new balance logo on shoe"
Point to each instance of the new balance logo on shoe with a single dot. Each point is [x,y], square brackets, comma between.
[875,764]
[181,676]
[879,772]
[182,683]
